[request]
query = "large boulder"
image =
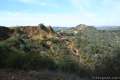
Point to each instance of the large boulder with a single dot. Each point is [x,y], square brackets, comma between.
[51,30]
[43,27]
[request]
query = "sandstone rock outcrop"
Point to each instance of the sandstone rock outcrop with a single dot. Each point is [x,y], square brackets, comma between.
[37,32]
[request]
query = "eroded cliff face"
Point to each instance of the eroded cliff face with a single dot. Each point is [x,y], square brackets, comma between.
[31,32]
[39,38]
[40,32]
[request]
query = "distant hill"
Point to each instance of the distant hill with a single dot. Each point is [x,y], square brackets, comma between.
[83,26]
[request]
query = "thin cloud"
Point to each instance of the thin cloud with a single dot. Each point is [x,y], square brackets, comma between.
[18,18]
[28,1]
[105,12]
[38,2]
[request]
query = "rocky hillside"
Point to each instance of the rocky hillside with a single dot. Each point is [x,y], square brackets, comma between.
[31,32]
[41,39]
[39,32]
[5,33]
[82,50]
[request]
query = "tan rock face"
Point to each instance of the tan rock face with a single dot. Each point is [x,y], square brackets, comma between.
[37,32]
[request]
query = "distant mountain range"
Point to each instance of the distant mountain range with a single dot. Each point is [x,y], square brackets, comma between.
[60,28]
[108,28]
[97,27]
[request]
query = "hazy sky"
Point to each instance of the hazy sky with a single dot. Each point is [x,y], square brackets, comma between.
[59,12]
